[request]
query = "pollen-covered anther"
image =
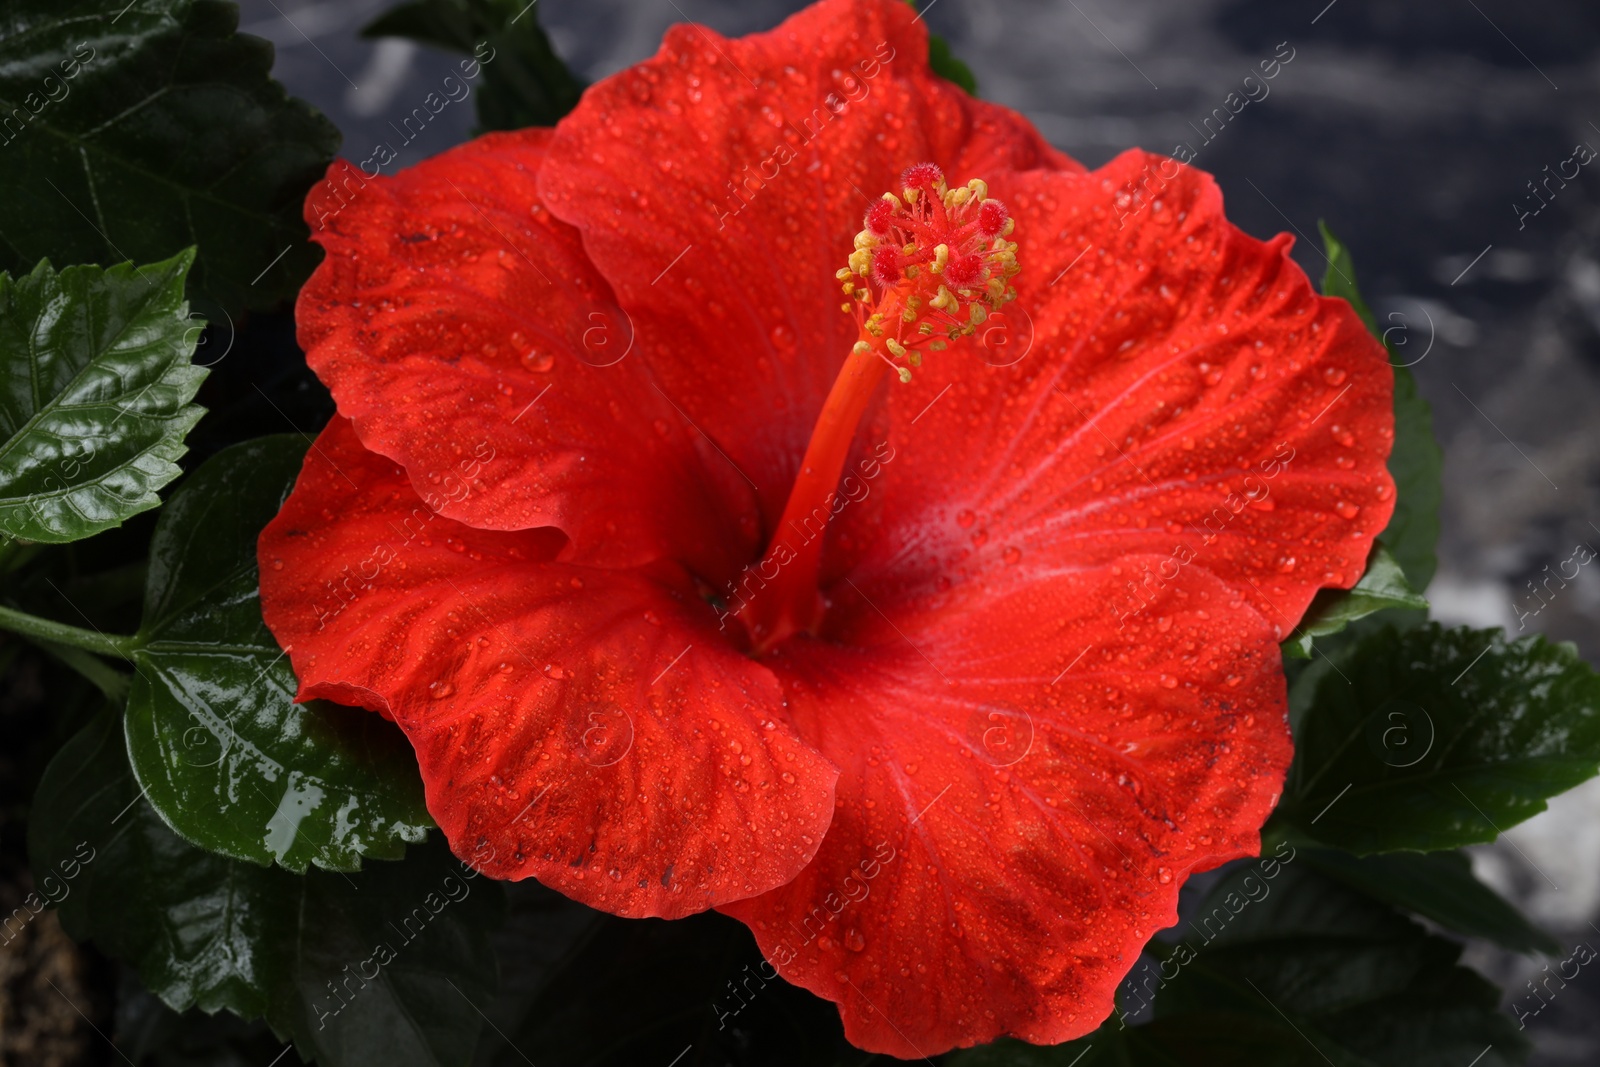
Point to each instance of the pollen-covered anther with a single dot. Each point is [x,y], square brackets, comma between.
[935,260]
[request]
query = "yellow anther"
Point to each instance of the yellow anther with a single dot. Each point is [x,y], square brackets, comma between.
[908,315]
[941,259]
[861,349]
[1010,225]
[895,347]
[842,273]
[860,261]
[942,299]
[978,314]
[979,188]
[895,200]
[866,239]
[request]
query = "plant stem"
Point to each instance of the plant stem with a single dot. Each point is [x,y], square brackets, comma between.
[32,626]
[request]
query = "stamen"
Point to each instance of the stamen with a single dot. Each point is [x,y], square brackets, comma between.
[933,253]
[927,267]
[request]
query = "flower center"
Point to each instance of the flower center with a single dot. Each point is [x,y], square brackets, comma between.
[928,266]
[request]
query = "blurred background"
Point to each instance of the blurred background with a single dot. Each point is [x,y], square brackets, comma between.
[1438,138]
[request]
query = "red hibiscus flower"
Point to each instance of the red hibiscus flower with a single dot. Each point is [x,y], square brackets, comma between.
[935,638]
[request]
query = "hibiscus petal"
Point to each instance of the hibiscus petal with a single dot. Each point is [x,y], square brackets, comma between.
[1022,793]
[718,184]
[460,324]
[588,727]
[1174,387]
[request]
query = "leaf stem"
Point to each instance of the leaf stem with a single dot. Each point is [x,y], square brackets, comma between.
[110,681]
[19,622]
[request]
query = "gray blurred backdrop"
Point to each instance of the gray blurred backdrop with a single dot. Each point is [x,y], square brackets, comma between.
[1414,127]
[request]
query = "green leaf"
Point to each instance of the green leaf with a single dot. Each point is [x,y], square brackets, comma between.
[384,966]
[948,67]
[1438,886]
[1417,466]
[592,989]
[1291,970]
[1381,587]
[217,742]
[1433,739]
[135,132]
[95,384]
[524,82]
[1102,1049]
[1302,969]
[1416,463]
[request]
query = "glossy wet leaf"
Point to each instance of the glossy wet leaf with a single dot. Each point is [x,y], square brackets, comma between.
[1304,970]
[1433,739]
[524,82]
[1292,971]
[1438,886]
[148,128]
[383,966]
[95,390]
[217,742]
[1381,587]
[1416,462]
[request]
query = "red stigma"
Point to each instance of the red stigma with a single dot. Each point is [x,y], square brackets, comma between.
[922,176]
[885,266]
[877,218]
[992,218]
[964,272]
